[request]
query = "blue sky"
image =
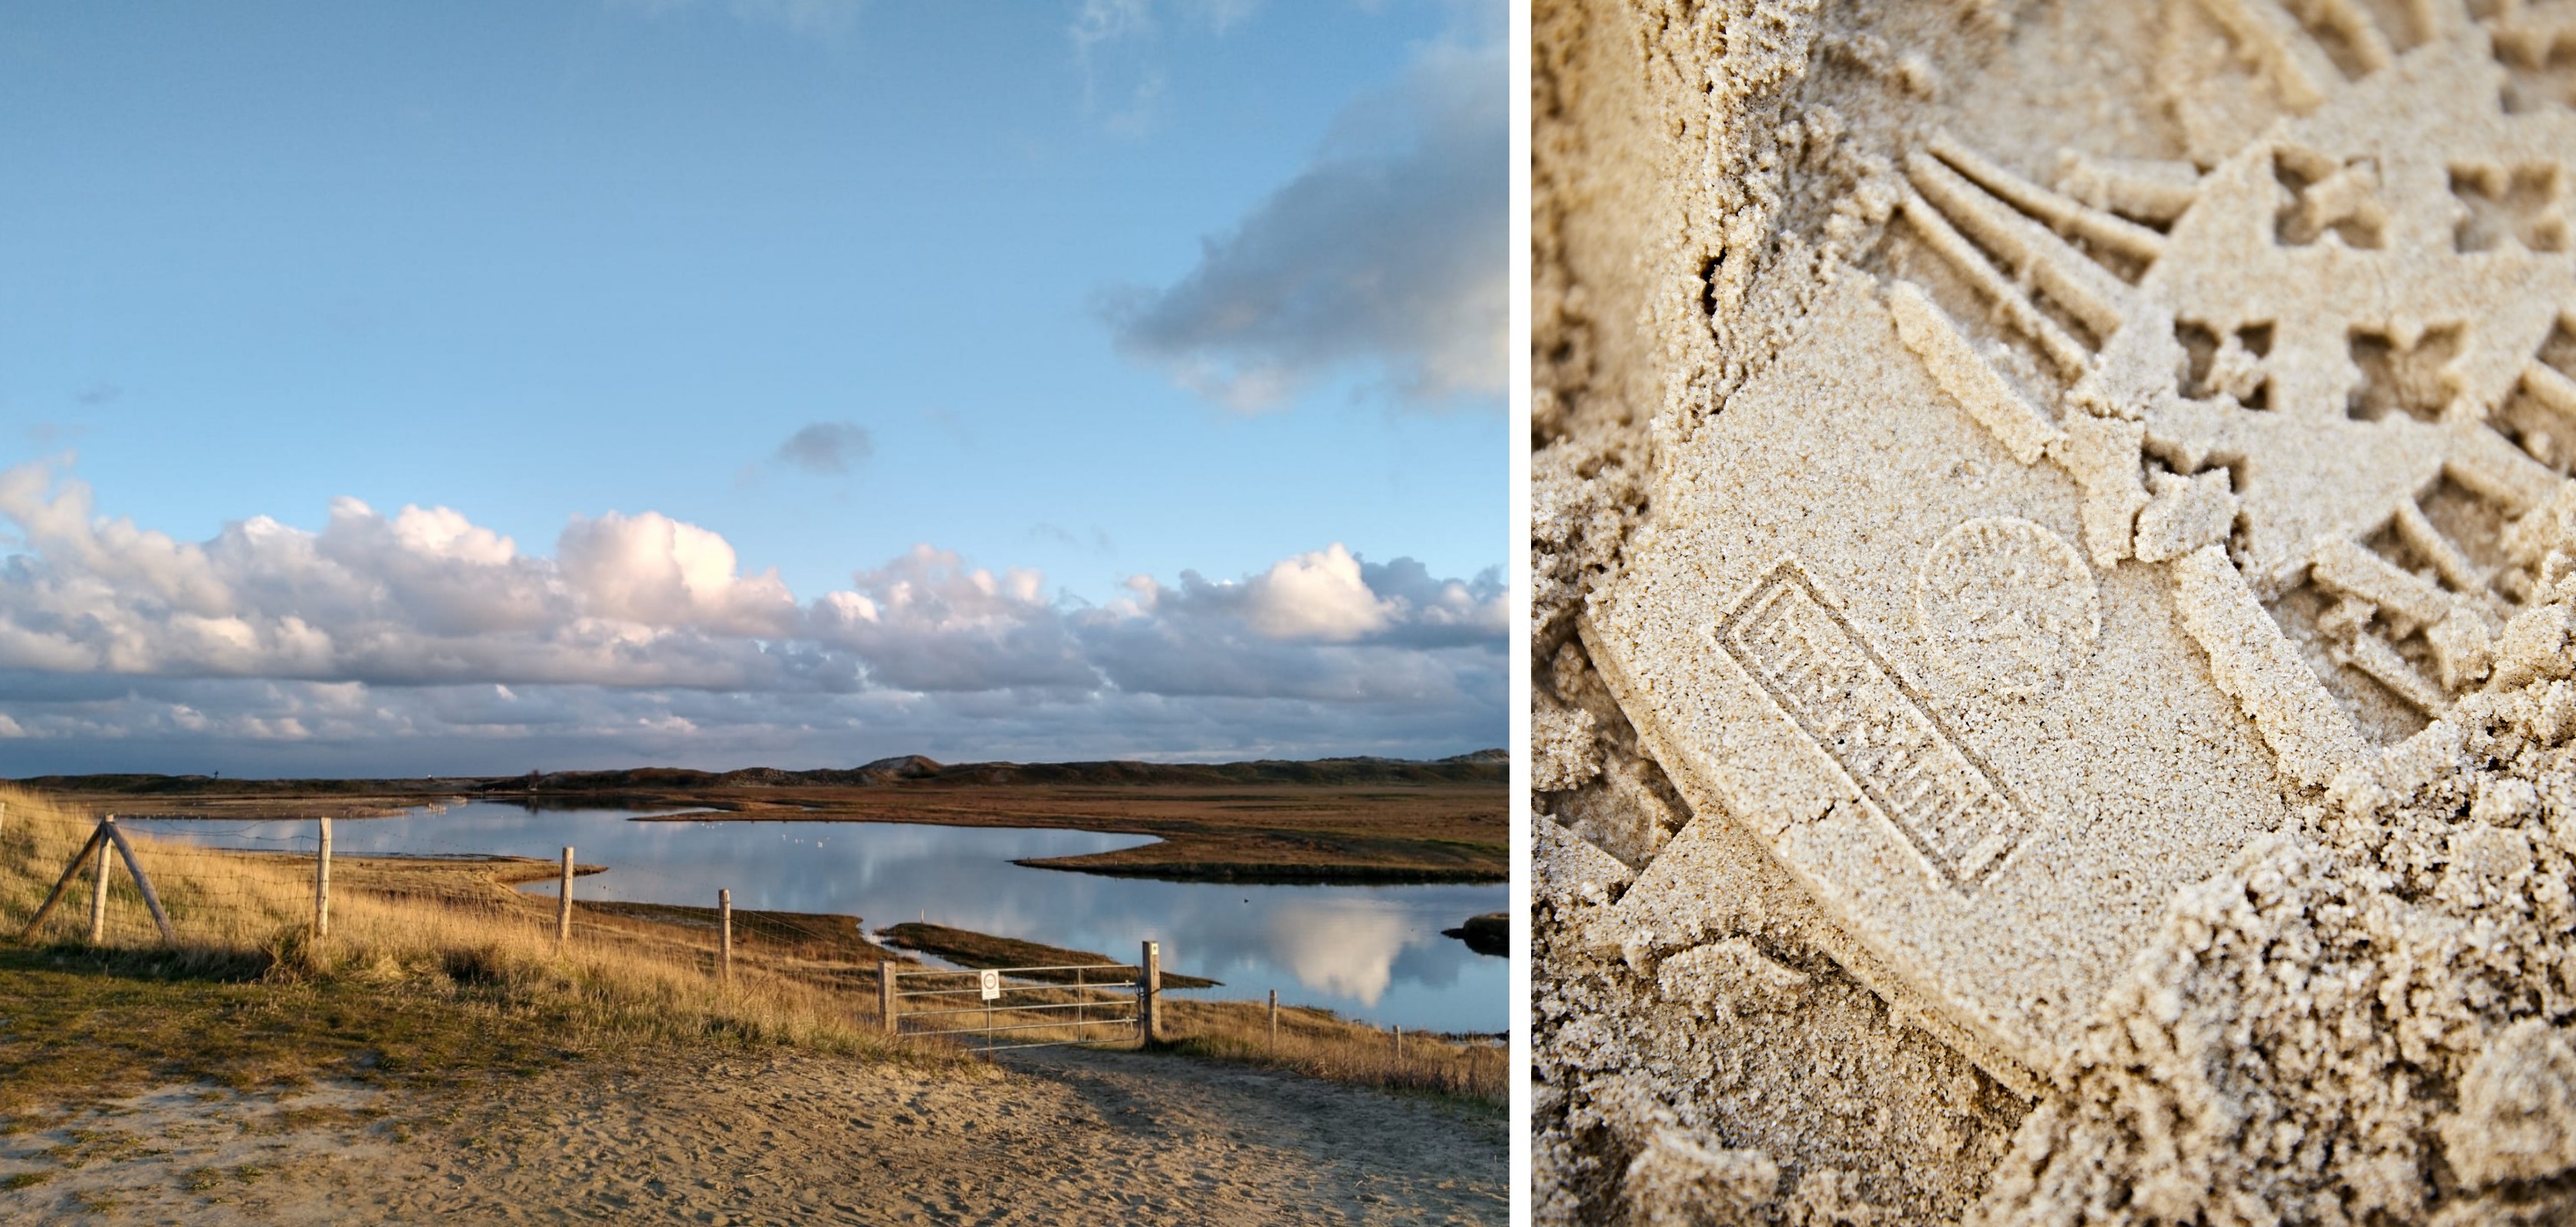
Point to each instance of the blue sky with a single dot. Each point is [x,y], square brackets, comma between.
[678,328]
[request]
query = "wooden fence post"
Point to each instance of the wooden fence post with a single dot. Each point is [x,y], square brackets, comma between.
[1149,994]
[886,1003]
[563,902]
[1399,1045]
[1274,1020]
[322,883]
[724,936]
[98,891]
[142,880]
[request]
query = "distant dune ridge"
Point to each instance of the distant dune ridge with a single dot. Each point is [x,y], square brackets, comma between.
[1481,766]
[1380,820]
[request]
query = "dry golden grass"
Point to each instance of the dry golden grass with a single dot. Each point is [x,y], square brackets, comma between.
[1318,1044]
[427,925]
[455,934]
[1313,1042]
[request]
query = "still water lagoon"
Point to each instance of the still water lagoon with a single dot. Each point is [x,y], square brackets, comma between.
[1374,953]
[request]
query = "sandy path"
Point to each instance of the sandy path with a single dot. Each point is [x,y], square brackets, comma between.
[790,1139]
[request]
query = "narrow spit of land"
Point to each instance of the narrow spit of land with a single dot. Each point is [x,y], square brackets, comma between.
[1490,933]
[1328,821]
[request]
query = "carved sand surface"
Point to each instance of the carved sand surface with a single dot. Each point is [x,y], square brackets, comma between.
[2055,574]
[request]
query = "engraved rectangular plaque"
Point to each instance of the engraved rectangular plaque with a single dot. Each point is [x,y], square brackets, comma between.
[1862,715]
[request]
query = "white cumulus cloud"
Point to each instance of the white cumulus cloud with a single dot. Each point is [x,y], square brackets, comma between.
[382,636]
[1314,596]
[655,571]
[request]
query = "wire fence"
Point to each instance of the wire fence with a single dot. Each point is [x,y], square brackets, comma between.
[265,890]
[454,917]
[1004,1009]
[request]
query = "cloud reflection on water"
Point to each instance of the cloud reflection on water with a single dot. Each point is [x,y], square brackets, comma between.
[1344,946]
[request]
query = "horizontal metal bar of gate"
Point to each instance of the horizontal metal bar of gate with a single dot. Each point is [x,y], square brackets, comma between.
[977,971]
[971,986]
[1021,1009]
[1041,1026]
[1017,986]
[1120,990]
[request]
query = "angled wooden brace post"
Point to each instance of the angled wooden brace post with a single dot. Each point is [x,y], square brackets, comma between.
[151,898]
[97,839]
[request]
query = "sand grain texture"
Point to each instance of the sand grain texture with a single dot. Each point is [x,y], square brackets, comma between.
[1098,1137]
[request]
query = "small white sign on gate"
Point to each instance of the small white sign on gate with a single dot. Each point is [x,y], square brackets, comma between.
[992,986]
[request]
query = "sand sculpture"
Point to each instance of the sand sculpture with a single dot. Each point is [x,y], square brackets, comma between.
[2055,599]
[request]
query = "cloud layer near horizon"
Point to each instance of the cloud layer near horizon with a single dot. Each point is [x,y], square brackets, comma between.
[641,638]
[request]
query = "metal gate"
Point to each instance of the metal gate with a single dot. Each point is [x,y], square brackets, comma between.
[1020,1007]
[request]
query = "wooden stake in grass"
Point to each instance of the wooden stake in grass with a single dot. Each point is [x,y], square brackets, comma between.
[1149,994]
[142,880]
[724,936]
[98,895]
[563,902]
[322,883]
[1274,1020]
[886,1004]
[1399,1045]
